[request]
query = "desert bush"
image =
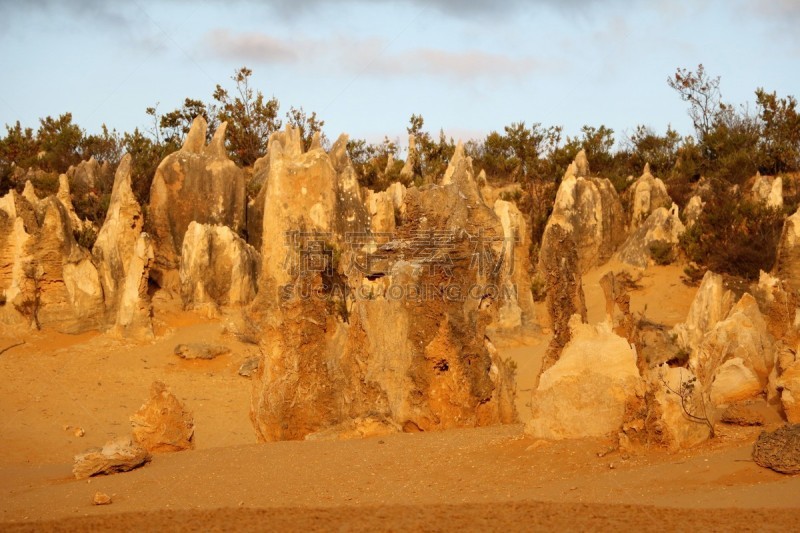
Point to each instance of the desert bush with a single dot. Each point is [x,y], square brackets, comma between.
[662,252]
[734,235]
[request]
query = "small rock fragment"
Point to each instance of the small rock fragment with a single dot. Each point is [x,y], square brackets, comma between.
[201,351]
[101,498]
[249,367]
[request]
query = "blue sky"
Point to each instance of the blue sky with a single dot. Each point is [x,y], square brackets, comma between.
[468,67]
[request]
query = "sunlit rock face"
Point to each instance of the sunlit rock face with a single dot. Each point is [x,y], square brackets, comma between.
[197,183]
[366,332]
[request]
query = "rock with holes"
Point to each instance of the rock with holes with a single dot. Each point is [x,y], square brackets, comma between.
[198,183]
[779,450]
[163,424]
[385,332]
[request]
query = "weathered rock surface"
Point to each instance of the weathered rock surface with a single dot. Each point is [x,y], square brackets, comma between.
[559,266]
[736,357]
[768,190]
[163,424]
[788,383]
[348,331]
[779,450]
[711,303]
[407,172]
[17,293]
[218,268]
[662,229]
[516,300]
[694,208]
[198,350]
[787,263]
[590,209]
[120,455]
[68,293]
[672,420]
[645,195]
[123,254]
[196,183]
[585,393]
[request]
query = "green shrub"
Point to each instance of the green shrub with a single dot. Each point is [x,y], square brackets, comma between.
[663,253]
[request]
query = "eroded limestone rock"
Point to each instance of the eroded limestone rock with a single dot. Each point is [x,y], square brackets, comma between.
[163,424]
[119,455]
[218,268]
[197,183]
[585,393]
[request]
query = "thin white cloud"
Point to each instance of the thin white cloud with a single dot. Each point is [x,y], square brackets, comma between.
[369,56]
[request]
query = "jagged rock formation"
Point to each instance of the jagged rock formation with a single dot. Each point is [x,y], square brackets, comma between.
[693,210]
[196,183]
[17,224]
[559,266]
[88,174]
[736,357]
[66,290]
[123,254]
[585,393]
[787,263]
[218,268]
[779,450]
[163,424]
[645,195]
[119,455]
[768,190]
[788,384]
[516,303]
[668,422]
[349,332]
[658,235]
[65,198]
[407,172]
[590,209]
[711,303]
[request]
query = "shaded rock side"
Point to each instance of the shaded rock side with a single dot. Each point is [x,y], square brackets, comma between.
[560,268]
[218,268]
[591,210]
[711,303]
[672,421]
[123,254]
[163,424]
[516,300]
[662,229]
[645,195]
[787,262]
[68,294]
[736,357]
[196,183]
[585,393]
